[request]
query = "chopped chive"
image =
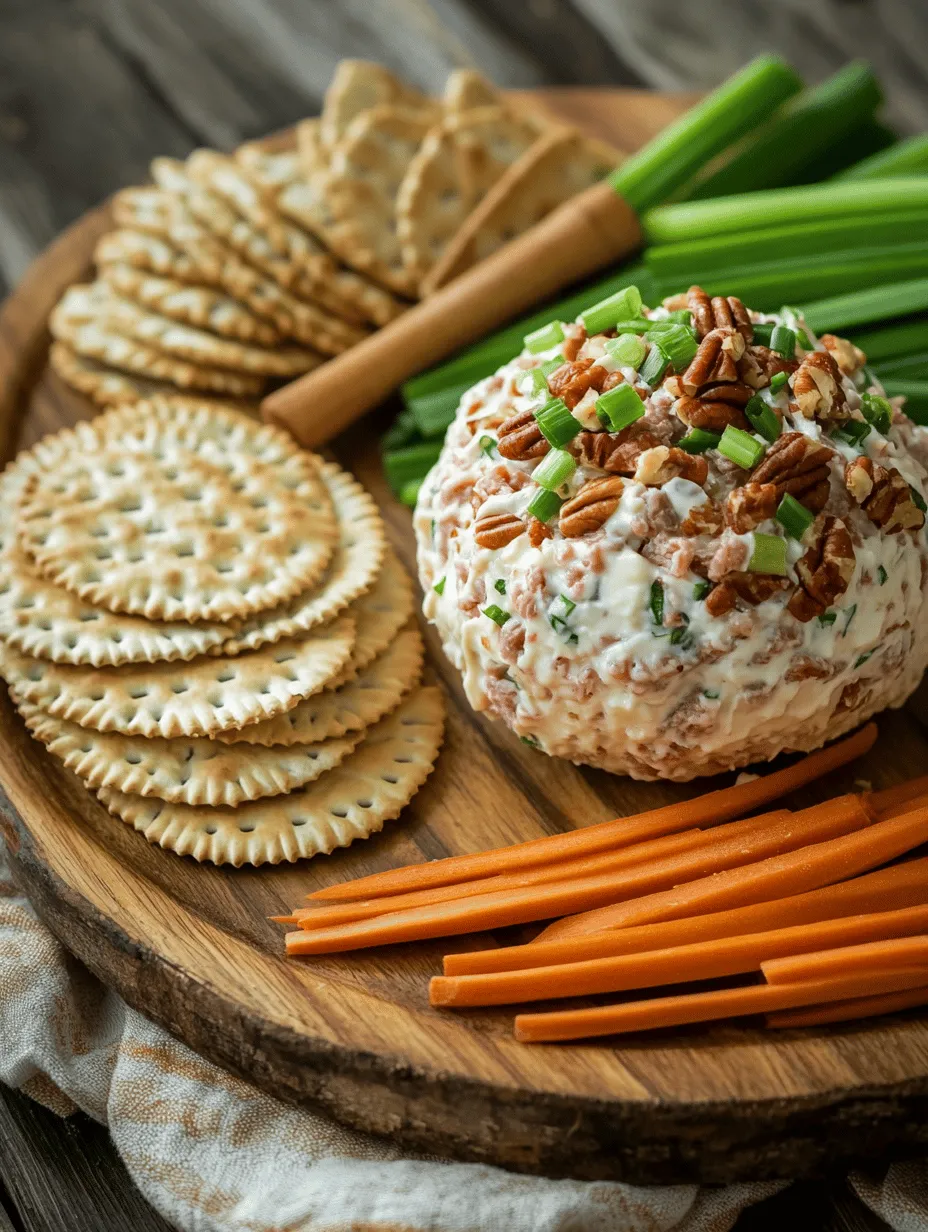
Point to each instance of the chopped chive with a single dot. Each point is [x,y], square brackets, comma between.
[656,603]
[919,499]
[616,307]
[699,440]
[409,492]
[763,418]
[769,555]
[862,659]
[654,366]
[619,407]
[851,612]
[530,741]
[540,374]
[544,505]
[783,341]
[561,627]
[805,340]
[678,346]
[487,445]
[712,694]
[499,586]
[681,315]
[763,332]
[778,380]
[877,412]
[882,575]
[700,590]
[741,448]
[627,349]
[794,517]
[853,432]
[681,636]
[557,424]
[569,604]
[439,586]
[543,339]
[827,618]
[553,471]
[496,614]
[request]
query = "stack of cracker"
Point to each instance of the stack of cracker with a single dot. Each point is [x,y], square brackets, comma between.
[232,273]
[206,625]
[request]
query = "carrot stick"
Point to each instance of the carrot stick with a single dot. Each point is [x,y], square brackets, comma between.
[706,810]
[878,954]
[894,799]
[505,907]
[890,889]
[708,1006]
[777,877]
[707,960]
[845,1011]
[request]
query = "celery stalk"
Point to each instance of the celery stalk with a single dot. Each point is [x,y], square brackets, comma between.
[841,312]
[892,340]
[869,138]
[915,394]
[909,157]
[907,368]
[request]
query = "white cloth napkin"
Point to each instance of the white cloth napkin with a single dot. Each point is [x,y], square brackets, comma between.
[214,1154]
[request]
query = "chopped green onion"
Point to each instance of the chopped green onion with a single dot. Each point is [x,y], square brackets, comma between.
[487,445]
[543,339]
[551,366]
[882,575]
[553,471]
[569,604]
[627,349]
[698,440]
[851,612]
[681,315]
[530,741]
[617,307]
[654,366]
[794,517]
[862,659]
[678,345]
[543,371]
[560,625]
[919,499]
[619,407]
[763,332]
[409,492]
[827,618]
[499,586]
[805,340]
[853,432]
[700,590]
[656,603]
[401,466]
[783,341]
[741,448]
[763,418]
[681,636]
[439,586]
[769,555]
[712,694]
[557,424]
[496,614]
[877,411]
[777,381]
[544,505]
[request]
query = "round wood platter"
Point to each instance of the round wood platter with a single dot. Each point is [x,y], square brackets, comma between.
[190,945]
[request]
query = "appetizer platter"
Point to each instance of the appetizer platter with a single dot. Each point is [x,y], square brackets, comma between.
[275,699]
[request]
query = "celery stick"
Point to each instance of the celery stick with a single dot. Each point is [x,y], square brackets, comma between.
[802,128]
[908,157]
[725,115]
[892,341]
[871,137]
[775,207]
[915,394]
[402,466]
[906,368]
[841,312]
[434,413]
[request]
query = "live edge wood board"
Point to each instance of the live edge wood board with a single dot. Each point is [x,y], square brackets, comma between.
[189,945]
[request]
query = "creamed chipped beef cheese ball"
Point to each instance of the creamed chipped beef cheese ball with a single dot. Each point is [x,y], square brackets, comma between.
[673,542]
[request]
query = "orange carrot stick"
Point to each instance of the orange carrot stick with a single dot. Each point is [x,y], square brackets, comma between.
[777,877]
[505,907]
[706,810]
[707,1006]
[895,799]
[846,1011]
[877,954]
[890,889]
[707,960]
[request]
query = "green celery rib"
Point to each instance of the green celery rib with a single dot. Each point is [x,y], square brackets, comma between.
[402,466]
[774,207]
[434,413]
[908,157]
[802,128]
[915,394]
[720,119]
[840,312]
[892,341]
[911,367]
[869,138]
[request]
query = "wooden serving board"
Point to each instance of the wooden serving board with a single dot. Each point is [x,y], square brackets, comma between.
[190,945]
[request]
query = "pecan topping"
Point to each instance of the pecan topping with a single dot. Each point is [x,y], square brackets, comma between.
[825,571]
[718,313]
[520,438]
[759,364]
[847,356]
[797,465]
[817,387]
[658,465]
[572,380]
[716,360]
[593,505]
[747,507]
[574,341]
[704,519]
[884,496]
[709,413]
[700,307]
[615,452]
[750,588]
[495,530]
[538,532]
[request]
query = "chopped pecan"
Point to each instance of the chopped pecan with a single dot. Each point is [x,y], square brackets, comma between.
[758,364]
[817,387]
[847,356]
[612,380]
[538,532]
[495,530]
[796,464]
[716,360]
[520,438]
[750,588]
[658,465]
[825,571]
[710,414]
[572,380]
[747,507]
[884,495]
[573,343]
[593,505]
[615,452]
[704,519]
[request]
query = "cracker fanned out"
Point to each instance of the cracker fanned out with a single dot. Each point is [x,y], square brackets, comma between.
[102,384]
[369,787]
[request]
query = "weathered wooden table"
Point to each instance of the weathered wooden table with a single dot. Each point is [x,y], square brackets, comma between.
[90,90]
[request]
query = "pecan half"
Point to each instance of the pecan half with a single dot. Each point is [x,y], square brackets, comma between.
[593,505]
[704,519]
[758,364]
[572,380]
[615,452]
[884,495]
[817,387]
[797,465]
[716,360]
[709,413]
[747,507]
[495,530]
[847,356]
[825,571]
[750,588]
[700,307]
[730,313]
[521,439]
[658,465]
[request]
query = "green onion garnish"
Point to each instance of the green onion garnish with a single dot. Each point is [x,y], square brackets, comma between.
[698,440]
[783,341]
[700,590]
[851,612]
[560,626]
[487,445]
[627,349]
[763,418]
[553,471]
[862,659]
[741,448]
[439,586]
[496,614]
[543,371]
[681,636]
[778,380]
[544,505]
[532,743]
[805,340]
[794,517]
[543,339]
[569,604]
[499,586]
[763,332]
[712,694]
[678,346]
[619,407]
[769,555]
[557,424]
[919,499]
[656,603]
[882,575]
[409,492]
[853,432]
[654,366]
[877,412]
[617,307]
[681,315]
[827,618]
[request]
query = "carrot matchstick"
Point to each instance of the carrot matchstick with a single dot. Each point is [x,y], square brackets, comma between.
[877,954]
[847,1011]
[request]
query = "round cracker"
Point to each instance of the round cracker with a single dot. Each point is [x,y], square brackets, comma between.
[364,700]
[194,771]
[199,698]
[185,511]
[354,800]
[381,612]
[101,384]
